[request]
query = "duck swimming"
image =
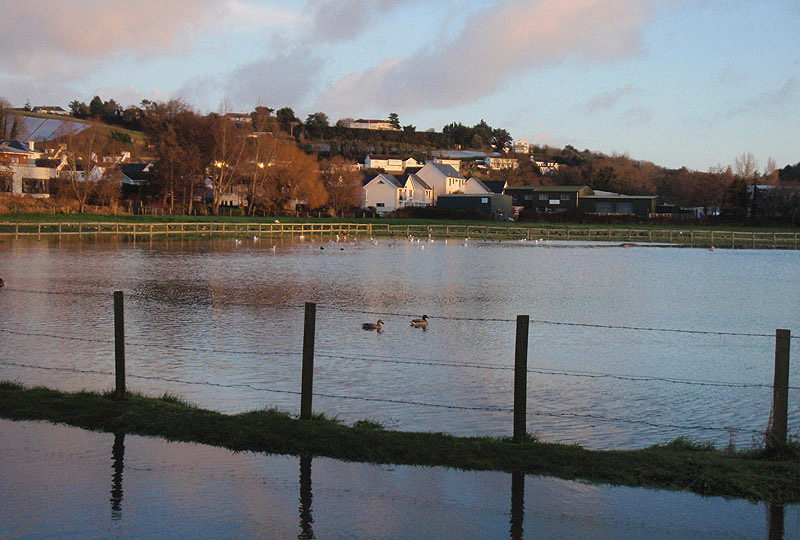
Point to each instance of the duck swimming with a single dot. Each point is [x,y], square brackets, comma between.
[420,323]
[373,326]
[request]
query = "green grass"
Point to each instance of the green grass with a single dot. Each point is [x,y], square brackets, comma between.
[43,217]
[678,465]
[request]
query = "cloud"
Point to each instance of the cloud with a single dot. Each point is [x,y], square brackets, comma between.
[335,21]
[607,100]
[277,82]
[245,16]
[637,115]
[495,44]
[42,36]
[770,100]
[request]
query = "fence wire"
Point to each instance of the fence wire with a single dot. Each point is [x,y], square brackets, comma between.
[333,355]
[409,361]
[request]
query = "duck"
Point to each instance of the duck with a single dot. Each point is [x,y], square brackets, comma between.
[2,283]
[373,326]
[420,323]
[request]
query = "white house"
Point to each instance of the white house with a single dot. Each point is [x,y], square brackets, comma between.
[390,165]
[443,179]
[497,163]
[522,147]
[476,186]
[362,123]
[455,163]
[387,192]
[546,167]
[25,171]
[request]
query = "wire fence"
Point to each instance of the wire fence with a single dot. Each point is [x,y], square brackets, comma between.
[396,360]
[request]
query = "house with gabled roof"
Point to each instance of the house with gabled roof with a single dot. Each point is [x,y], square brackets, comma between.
[477,186]
[24,170]
[443,179]
[136,174]
[388,192]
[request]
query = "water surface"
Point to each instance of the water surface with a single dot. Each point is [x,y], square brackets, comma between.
[62,483]
[221,323]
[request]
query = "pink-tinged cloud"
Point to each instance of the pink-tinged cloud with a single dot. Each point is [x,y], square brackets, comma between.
[607,100]
[278,82]
[38,35]
[496,44]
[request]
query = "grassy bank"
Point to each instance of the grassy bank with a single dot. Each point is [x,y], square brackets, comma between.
[33,217]
[679,465]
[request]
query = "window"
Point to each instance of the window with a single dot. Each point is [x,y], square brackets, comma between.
[528,197]
[543,196]
[565,197]
[379,205]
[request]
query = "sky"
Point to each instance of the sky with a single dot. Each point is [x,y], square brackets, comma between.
[694,83]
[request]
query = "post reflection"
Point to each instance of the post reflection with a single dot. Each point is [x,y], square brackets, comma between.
[775,521]
[118,465]
[306,519]
[517,505]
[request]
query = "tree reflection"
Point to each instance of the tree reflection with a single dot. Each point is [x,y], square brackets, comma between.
[118,465]
[306,519]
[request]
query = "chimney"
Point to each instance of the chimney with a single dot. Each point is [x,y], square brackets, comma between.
[31,145]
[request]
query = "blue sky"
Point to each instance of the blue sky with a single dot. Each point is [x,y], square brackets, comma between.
[692,83]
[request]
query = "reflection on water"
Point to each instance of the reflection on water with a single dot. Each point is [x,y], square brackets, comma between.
[517,505]
[118,465]
[56,484]
[221,325]
[306,519]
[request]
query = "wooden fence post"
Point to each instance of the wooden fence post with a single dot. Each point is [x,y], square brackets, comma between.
[776,433]
[521,378]
[119,343]
[307,385]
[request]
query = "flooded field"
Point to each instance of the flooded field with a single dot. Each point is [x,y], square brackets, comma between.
[65,483]
[629,346]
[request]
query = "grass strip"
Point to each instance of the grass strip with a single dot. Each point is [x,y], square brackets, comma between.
[755,474]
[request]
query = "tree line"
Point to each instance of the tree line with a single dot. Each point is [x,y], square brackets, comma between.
[274,161]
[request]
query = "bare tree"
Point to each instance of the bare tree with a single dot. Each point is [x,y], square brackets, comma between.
[745,167]
[229,146]
[5,107]
[342,182]
[81,156]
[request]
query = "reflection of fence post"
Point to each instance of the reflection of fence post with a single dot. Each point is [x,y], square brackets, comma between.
[306,391]
[119,342]
[776,434]
[521,377]
[517,505]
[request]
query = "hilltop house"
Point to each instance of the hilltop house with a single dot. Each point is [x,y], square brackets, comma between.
[497,162]
[362,123]
[390,164]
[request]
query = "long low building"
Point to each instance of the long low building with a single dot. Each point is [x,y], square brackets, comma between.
[563,198]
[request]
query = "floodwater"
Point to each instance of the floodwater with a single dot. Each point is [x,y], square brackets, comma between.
[628,346]
[62,482]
